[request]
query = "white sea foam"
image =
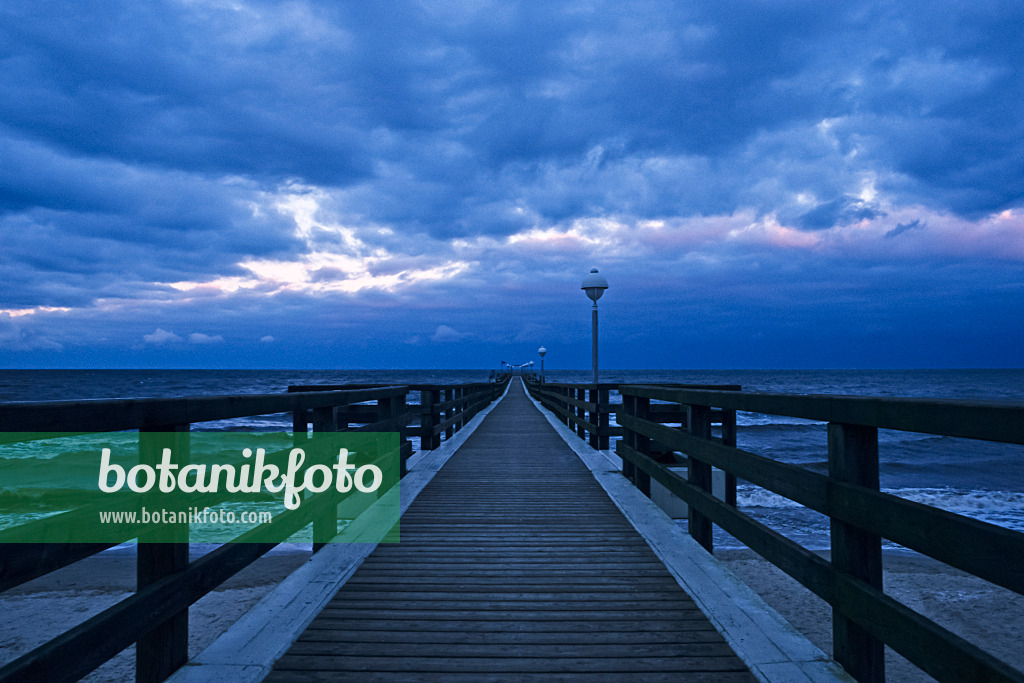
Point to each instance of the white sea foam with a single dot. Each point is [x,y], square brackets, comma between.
[745,419]
[970,503]
[1005,508]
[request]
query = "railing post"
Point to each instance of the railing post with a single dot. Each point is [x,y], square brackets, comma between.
[639,408]
[325,522]
[300,420]
[341,421]
[595,419]
[641,479]
[397,409]
[429,438]
[449,411]
[460,408]
[581,413]
[853,458]
[162,551]
[628,436]
[699,474]
[604,422]
[729,439]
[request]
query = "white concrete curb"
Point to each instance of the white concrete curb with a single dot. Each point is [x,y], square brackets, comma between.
[248,650]
[767,643]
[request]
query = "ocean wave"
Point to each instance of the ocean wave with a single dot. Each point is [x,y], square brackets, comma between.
[1004,508]
[754,496]
[745,419]
[965,502]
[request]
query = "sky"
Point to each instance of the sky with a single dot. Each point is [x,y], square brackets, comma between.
[763,183]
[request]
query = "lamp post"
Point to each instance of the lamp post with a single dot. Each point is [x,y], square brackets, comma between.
[542,351]
[594,285]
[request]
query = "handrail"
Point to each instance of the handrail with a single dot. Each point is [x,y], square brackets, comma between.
[865,618]
[590,417]
[985,420]
[156,616]
[443,408]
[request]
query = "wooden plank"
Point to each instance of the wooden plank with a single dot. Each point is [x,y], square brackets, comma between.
[621,637]
[490,649]
[509,665]
[549,612]
[593,582]
[579,627]
[477,677]
[513,561]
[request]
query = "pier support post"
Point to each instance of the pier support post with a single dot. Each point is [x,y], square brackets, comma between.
[604,419]
[398,413]
[595,418]
[429,438]
[460,408]
[639,408]
[300,421]
[699,474]
[325,523]
[581,413]
[628,435]
[853,458]
[162,551]
[449,412]
[729,439]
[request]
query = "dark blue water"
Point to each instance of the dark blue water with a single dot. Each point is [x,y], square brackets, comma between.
[978,479]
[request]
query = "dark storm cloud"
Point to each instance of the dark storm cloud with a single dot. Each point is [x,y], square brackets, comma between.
[438,112]
[840,211]
[452,156]
[904,227]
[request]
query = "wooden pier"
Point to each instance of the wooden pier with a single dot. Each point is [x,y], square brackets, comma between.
[527,554]
[513,565]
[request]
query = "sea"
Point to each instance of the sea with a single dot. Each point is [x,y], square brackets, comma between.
[979,479]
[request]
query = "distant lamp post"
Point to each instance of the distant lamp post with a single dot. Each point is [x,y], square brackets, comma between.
[542,351]
[594,285]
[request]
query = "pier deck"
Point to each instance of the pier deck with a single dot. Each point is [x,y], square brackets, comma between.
[513,565]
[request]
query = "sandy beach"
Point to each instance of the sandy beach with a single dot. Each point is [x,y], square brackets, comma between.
[37,611]
[980,612]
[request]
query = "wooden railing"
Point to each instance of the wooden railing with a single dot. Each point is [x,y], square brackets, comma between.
[865,619]
[587,408]
[443,409]
[155,617]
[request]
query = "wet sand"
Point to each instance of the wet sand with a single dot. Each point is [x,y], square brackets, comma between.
[980,612]
[40,610]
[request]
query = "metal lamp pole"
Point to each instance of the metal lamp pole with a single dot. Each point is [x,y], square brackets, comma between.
[594,285]
[542,351]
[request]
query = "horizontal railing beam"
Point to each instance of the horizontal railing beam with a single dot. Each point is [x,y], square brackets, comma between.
[989,421]
[132,413]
